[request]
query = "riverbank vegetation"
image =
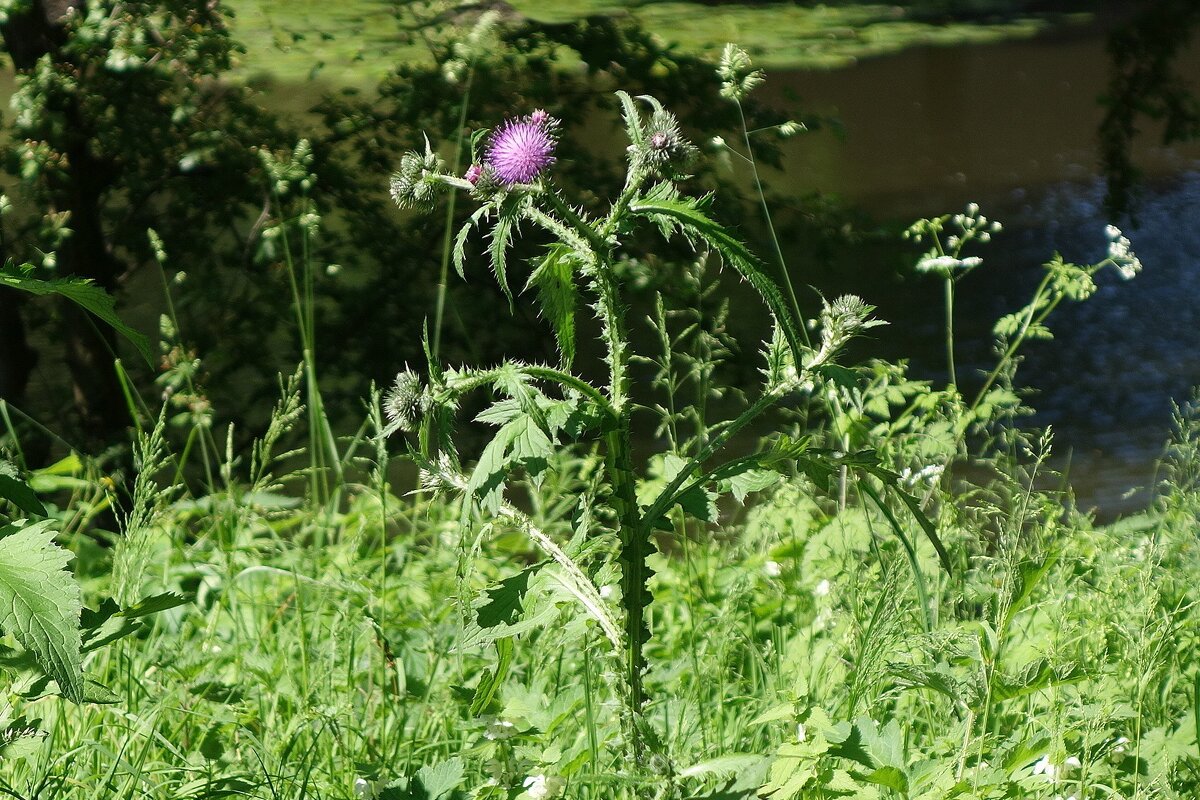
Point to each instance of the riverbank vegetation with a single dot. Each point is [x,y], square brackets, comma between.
[655,554]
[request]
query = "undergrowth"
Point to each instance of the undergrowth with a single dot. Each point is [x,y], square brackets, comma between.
[882,592]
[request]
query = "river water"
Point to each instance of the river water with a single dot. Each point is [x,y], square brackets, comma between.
[1013,127]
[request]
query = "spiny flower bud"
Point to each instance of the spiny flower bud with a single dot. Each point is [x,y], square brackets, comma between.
[406,401]
[419,179]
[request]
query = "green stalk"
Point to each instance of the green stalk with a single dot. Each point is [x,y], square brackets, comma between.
[444,275]
[949,294]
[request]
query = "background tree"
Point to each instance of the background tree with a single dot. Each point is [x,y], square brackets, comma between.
[120,124]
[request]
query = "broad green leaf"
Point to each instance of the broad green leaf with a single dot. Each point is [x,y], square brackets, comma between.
[21,496]
[439,780]
[21,739]
[891,777]
[85,294]
[723,766]
[40,606]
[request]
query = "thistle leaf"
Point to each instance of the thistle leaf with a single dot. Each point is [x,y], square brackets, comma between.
[662,206]
[555,282]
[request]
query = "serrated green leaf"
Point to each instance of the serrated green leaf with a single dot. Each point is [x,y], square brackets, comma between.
[558,295]
[40,606]
[519,442]
[660,205]
[439,780]
[85,294]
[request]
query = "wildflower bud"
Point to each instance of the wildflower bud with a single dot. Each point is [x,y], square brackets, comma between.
[972,209]
[418,180]
[406,401]
[473,173]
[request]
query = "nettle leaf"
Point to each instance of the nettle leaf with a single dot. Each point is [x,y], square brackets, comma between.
[554,278]
[663,206]
[85,294]
[39,603]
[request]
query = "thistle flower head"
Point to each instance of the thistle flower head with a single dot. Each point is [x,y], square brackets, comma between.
[522,149]
[473,173]
[658,144]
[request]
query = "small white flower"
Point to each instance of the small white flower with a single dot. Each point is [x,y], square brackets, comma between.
[1045,767]
[717,142]
[543,787]
[364,788]
[1072,762]
[607,592]
[801,732]
[972,209]
[500,729]
[822,589]
[773,569]
[952,242]
[1119,745]
[1112,231]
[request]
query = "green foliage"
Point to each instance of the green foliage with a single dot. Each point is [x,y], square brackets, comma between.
[41,602]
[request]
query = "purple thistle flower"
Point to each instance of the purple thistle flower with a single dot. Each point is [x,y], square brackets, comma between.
[473,173]
[521,149]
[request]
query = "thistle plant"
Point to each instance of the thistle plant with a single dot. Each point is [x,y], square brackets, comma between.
[543,410]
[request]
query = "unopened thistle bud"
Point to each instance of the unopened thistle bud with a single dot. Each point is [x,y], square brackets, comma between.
[417,183]
[406,401]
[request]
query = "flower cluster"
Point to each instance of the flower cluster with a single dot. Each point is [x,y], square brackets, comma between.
[1120,252]
[738,76]
[945,257]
